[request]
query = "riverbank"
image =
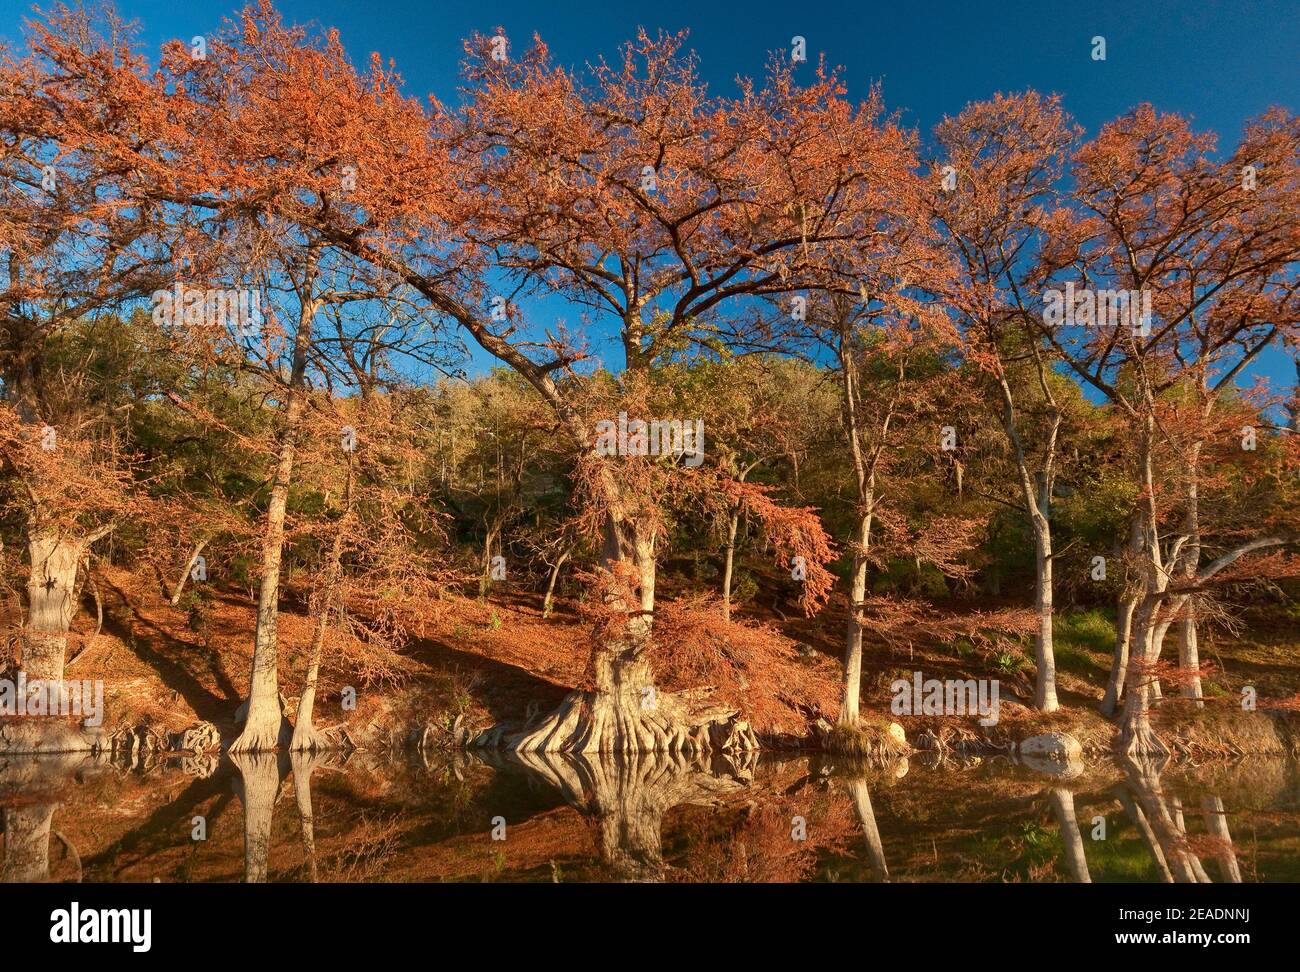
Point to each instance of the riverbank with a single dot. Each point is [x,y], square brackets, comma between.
[474,665]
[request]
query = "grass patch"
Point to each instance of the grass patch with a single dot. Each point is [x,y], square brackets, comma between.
[864,740]
[1078,638]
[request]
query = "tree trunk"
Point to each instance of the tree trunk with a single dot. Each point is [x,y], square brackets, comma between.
[1166,839]
[851,689]
[1044,652]
[1180,831]
[1188,650]
[1148,835]
[548,602]
[27,844]
[1189,658]
[732,526]
[1137,737]
[625,712]
[864,473]
[485,576]
[185,574]
[628,795]
[264,724]
[51,604]
[1119,665]
[302,764]
[265,727]
[1216,823]
[1128,603]
[305,736]
[1036,490]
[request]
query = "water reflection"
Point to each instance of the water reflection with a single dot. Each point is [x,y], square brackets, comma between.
[257,786]
[644,818]
[27,843]
[1071,838]
[860,794]
[28,793]
[627,795]
[1159,817]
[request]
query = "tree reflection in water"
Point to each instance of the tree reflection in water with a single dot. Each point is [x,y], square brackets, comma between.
[627,795]
[651,817]
[257,786]
[1160,821]
[32,783]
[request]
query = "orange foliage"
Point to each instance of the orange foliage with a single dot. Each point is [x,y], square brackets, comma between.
[750,665]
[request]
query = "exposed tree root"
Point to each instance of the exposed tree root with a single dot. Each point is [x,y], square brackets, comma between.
[266,728]
[1138,740]
[202,737]
[310,740]
[602,722]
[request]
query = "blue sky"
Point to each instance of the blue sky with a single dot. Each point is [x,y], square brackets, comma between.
[1219,62]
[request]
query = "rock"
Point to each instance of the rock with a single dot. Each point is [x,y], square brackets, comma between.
[1066,769]
[821,728]
[1057,746]
[896,733]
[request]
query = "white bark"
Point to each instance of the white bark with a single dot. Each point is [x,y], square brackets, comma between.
[732,526]
[1119,664]
[1071,838]
[1216,823]
[259,775]
[265,727]
[179,588]
[861,797]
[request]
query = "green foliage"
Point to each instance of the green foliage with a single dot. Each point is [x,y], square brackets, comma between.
[906,577]
[1083,641]
[744,587]
[1010,662]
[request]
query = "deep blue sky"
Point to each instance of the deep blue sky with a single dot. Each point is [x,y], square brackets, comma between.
[1219,62]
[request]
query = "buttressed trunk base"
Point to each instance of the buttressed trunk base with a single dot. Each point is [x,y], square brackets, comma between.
[51,603]
[626,713]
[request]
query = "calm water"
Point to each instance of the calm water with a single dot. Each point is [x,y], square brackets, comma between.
[464,818]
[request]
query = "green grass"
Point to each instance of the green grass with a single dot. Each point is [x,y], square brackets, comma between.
[1080,638]
[1121,859]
